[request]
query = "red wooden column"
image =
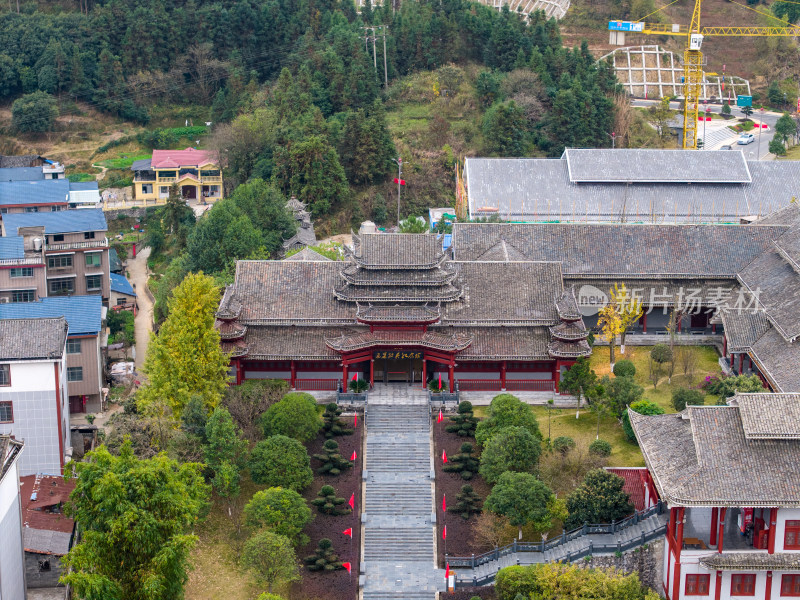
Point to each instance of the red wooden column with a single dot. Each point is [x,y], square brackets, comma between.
[773,523]
[676,580]
[741,363]
[344,377]
[644,323]
[371,372]
[724,345]
[718,587]
[293,371]
[768,590]
[451,372]
[714,517]
[722,512]
[503,375]
[679,318]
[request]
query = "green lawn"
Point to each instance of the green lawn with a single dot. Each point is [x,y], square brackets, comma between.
[662,395]
[123,162]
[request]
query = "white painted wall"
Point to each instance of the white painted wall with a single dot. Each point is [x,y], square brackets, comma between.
[784,514]
[31,377]
[12,556]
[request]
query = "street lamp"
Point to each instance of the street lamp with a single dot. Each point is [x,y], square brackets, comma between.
[613,137]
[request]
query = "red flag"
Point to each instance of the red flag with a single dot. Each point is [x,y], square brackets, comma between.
[444,456]
[447,572]
[348,531]
[440,418]
[355,420]
[440,380]
[444,533]
[400,181]
[347,566]
[444,503]
[352,502]
[353,458]
[355,376]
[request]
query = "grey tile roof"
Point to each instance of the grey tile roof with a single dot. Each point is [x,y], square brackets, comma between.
[778,360]
[45,541]
[294,342]
[743,328]
[141,165]
[399,339]
[788,246]
[567,305]
[789,215]
[398,313]
[502,343]
[25,160]
[628,251]
[306,254]
[661,292]
[656,166]
[776,285]
[568,349]
[437,276]
[29,339]
[398,250]
[506,292]
[751,561]
[766,416]
[701,457]
[541,190]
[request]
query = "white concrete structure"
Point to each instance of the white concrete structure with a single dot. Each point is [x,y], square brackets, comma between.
[12,555]
[34,404]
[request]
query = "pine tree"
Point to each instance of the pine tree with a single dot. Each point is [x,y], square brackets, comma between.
[328,503]
[463,463]
[463,423]
[324,557]
[333,463]
[185,358]
[468,503]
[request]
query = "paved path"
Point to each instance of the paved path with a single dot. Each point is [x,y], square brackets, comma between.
[399,537]
[143,324]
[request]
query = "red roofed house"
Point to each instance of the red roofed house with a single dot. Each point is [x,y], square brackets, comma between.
[47,534]
[197,173]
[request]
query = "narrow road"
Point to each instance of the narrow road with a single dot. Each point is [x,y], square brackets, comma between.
[143,324]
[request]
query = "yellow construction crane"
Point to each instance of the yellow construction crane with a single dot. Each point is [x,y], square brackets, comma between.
[693,57]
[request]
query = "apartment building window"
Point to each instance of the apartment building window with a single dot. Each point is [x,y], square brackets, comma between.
[790,585]
[147,188]
[6,412]
[23,296]
[21,272]
[743,584]
[88,235]
[62,261]
[3,211]
[59,237]
[93,259]
[5,374]
[73,346]
[697,585]
[791,539]
[163,191]
[62,287]
[30,209]
[94,283]
[74,373]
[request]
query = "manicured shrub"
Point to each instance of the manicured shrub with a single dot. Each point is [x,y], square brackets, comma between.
[600,448]
[332,424]
[463,463]
[468,503]
[624,368]
[295,416]
[324,557]
[599,499]
[280,510]
[683,397]
[563,444]
[328,504]
[506,410]
[333,463]
[280,461]
[463,423]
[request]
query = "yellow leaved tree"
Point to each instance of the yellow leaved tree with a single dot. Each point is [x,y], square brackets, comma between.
[185,359]
[616,317]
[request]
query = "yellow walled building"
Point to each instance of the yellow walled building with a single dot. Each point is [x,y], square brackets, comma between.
[197,173]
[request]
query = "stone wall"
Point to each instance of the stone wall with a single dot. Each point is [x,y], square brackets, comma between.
[134,211]
[647,561]
[42,570]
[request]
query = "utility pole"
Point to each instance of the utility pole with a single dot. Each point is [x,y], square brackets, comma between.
[374,29]
[385,70]
[399,161]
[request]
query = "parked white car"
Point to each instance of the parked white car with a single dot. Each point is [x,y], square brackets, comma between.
[746,138]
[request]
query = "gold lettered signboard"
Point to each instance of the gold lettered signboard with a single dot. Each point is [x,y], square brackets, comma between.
[396,354]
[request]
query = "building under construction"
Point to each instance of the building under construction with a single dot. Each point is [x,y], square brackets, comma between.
[627,186]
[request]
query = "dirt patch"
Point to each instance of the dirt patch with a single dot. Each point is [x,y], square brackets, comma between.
[459,530]
[336,585]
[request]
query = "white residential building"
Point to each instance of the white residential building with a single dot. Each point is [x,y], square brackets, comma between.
[12,555]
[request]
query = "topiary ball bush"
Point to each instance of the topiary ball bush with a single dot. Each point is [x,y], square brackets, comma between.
[465,406]
[600,448]
[563,444]
[624,368]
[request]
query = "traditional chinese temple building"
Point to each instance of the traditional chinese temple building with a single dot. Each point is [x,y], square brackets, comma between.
[401,309]
[729,477]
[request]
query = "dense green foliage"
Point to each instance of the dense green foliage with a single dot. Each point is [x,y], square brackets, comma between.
[506,410]
[563,444]
[599,499]
[521,498]
[332,424]
[120,325]
[509,449]
[728,386]
[270,558]
[280,461]
[34,112]
[282,511]
[294,416]
[135,513]
[683,397]
[600,448]
[620,393]
[624,368]
[556,580]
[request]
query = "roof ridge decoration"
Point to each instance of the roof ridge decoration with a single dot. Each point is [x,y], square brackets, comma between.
[229,307]
[428,339]
[567,305]
[768,416]
[398,313]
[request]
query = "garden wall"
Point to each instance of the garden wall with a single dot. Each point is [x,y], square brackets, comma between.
[647,561]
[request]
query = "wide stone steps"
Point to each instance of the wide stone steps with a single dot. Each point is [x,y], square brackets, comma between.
[400,595]
[398,544]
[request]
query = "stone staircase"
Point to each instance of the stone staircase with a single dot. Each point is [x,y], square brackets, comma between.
[575,549]
[399,557]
